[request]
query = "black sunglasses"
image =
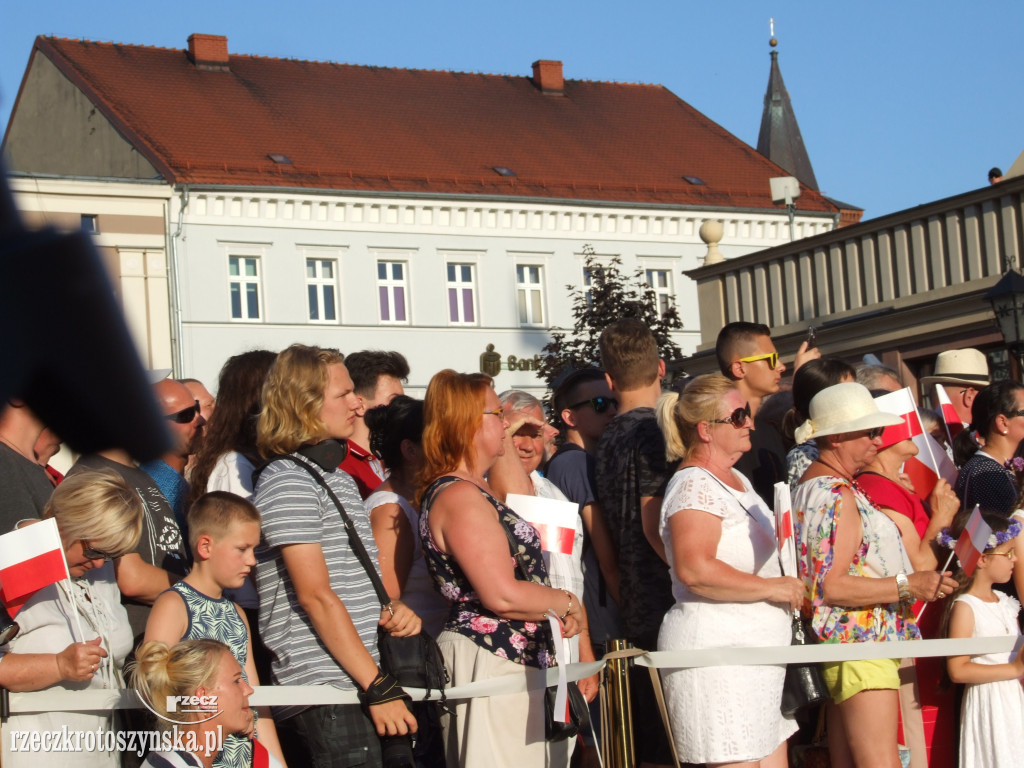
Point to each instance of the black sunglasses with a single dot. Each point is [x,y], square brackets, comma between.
[184,416]
[875,432]
[599,404]
[94,554]
[737,418]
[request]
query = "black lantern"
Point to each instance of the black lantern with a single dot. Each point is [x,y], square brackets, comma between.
[1007,299]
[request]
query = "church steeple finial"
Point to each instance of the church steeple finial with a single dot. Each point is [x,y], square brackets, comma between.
[779,138]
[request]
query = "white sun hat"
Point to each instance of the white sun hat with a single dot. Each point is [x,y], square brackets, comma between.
[846,407]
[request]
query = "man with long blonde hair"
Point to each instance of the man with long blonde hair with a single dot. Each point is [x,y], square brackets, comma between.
[318,610]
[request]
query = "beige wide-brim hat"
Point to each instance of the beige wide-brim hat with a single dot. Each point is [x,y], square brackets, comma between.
[846,407]
[960,366]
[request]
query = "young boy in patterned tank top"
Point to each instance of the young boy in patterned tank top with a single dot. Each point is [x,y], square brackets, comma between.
[224,530]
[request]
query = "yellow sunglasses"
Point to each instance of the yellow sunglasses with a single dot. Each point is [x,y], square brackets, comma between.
[771,357]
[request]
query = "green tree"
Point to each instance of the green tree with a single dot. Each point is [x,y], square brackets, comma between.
[611,296]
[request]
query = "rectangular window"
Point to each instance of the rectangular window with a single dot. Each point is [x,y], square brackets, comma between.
[461,299]
[321,290]
[660,281]
[530,294]
[244,287]
[391,289]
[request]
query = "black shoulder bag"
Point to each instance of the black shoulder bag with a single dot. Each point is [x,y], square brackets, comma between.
[414,661]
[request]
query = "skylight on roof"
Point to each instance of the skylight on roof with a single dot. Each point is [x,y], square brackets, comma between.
[279,158]
[501,170]
[694,179]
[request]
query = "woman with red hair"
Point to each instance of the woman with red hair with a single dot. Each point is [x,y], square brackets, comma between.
[498,622]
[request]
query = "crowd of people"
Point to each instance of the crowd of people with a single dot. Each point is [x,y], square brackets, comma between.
[250,551]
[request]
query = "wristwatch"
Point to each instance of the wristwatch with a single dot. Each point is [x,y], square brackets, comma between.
[903,585]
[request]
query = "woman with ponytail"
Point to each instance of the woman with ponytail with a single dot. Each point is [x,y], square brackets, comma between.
[210,695]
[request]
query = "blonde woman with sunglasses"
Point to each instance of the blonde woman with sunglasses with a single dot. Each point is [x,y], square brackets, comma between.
[727,582]
[74,633]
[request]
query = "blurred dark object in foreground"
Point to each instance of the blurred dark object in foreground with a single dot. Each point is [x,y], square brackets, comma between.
[66,350]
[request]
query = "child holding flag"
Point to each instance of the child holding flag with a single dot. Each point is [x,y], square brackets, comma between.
[992,721]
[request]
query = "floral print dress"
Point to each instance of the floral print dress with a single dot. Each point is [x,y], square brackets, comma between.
[524,642]
[818,504]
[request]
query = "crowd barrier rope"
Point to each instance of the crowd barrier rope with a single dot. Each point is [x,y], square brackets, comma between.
[312,695]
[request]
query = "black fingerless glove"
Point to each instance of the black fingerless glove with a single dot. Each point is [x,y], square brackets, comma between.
[382,690]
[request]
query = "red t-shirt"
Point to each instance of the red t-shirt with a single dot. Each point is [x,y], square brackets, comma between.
[885,493]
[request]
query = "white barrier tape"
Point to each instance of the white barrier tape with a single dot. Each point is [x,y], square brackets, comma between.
[827,652]
[312,695]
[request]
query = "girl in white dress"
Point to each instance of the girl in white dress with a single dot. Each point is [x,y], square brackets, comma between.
[992,721]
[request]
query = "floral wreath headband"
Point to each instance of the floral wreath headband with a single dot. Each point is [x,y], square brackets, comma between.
[994,540]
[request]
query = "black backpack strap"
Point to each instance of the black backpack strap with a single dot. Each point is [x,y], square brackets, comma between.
[353,536]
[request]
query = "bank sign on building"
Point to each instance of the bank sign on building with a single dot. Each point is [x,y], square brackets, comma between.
[247,202]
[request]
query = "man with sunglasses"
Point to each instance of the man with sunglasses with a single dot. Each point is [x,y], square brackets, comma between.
[184,419]
[747,355]
[584,406]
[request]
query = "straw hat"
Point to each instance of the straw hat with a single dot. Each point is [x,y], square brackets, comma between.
[959,366]
[846,407]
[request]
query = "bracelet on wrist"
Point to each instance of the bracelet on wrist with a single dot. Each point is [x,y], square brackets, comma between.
[903,587]
[568,608]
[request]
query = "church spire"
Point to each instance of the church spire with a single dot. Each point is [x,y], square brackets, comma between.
[779,138]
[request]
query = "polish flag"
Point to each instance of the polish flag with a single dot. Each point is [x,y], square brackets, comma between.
[554,519]
[31,558]
[931,461]
[784,529]
[972,542]
[949,415]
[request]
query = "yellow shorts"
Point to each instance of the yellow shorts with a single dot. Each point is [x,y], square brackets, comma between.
[846,678]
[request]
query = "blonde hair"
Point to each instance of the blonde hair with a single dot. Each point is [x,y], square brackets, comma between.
[161,671]
[97,506]
[213,513]
[293,395]
[679,415]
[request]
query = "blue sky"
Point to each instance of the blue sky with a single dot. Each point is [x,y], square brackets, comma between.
[899,103]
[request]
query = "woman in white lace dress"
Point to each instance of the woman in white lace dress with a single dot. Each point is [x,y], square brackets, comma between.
[720,540]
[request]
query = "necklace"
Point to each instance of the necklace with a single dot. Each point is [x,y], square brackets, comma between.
[837,472]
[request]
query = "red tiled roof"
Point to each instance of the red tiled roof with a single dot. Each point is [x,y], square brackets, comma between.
[347,127]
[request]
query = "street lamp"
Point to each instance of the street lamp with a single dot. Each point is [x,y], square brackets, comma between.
[1007,299]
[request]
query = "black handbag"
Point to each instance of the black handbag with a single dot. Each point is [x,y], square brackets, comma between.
[414,661]
[579,712]
[803,686]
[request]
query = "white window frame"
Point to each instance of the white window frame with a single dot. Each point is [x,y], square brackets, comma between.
[665,296]
[319,285]
[390,284]
[460,286]
[243,282]
[524,290]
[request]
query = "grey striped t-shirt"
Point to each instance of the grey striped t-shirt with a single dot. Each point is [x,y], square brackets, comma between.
[296,510]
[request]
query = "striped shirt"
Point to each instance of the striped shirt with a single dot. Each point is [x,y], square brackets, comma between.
[296,510]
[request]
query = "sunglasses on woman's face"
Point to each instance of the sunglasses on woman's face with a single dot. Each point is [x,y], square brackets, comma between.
[737,418]
[94,554]
[599,404]
[185,415]
[874,433]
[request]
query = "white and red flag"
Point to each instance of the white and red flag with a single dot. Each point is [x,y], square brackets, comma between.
[31,558]
[931,461]
[949,414]
[554,519]
[972,542]
[784,529]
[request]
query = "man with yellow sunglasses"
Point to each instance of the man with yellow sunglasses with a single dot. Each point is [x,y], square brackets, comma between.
[747,355]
